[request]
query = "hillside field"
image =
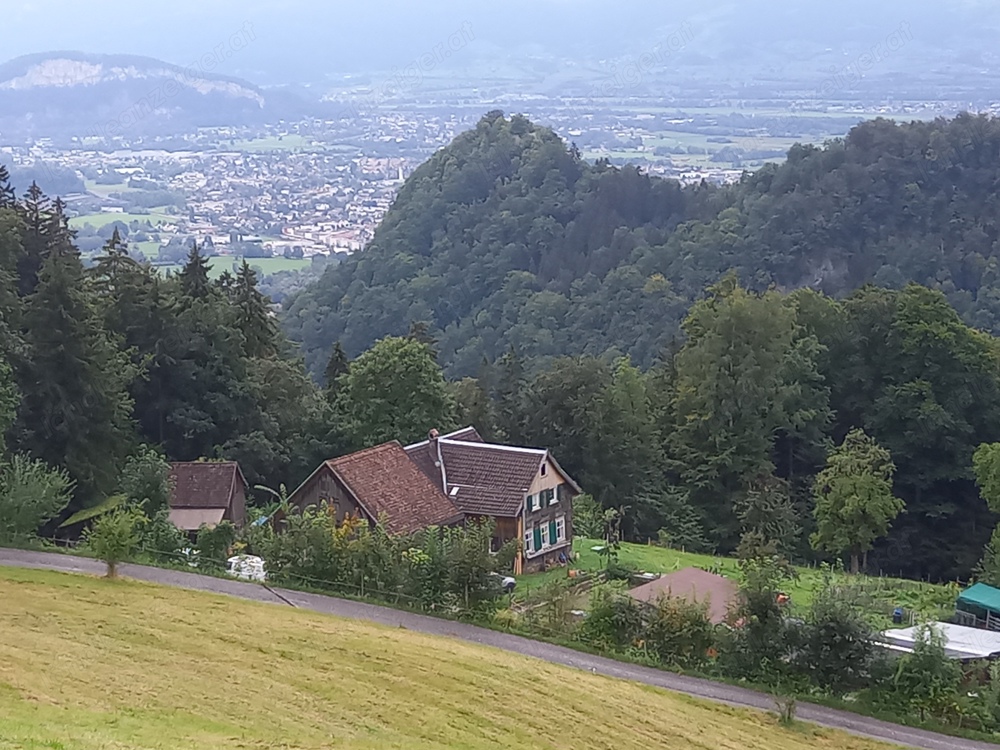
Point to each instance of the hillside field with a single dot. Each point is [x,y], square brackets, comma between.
[89,663]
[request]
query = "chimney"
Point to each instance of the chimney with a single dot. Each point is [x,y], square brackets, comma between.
[434,447]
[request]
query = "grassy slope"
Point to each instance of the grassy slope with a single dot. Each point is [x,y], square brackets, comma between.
[890,591]
[87,663]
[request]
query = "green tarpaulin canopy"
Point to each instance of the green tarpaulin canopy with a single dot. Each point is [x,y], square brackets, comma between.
[981,595]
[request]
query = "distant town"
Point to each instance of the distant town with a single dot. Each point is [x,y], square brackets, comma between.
[313,191]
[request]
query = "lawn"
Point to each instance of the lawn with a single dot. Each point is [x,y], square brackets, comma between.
[218,264]
[105,190]
[103,219]
[886,593]
[88,663]
[291,142]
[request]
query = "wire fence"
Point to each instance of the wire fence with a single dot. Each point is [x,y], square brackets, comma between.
[192,561]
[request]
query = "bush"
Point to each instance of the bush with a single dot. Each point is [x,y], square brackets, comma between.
[588,518]
[678,632]
[213,545]
[144,481]
[439,568]
[31,493]
[619,571]
[614,620]
[114,536]
[761,645]
[161,539]
[836,648]
[927,681]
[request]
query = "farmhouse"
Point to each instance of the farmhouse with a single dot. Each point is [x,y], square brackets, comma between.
[523,490]
[204,493]
[451,479]
[378,483]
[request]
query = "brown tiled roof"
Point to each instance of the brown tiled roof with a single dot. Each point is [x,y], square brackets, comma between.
[204,484]
[389,485]
[466,434]
[694,585]
[491,479]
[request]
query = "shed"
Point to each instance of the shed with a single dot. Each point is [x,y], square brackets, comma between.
[694,585]
[979,606]
[960,642]
[204,493]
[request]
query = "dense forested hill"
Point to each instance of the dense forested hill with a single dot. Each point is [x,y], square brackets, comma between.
[507,238]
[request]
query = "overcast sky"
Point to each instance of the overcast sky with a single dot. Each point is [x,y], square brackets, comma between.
[300,38]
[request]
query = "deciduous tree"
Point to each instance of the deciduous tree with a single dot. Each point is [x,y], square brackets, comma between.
[854,500]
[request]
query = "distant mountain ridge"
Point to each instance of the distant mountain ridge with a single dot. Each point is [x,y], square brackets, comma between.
[83,94]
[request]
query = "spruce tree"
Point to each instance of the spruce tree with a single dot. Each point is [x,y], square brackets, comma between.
[11,250]
[227,283]
[337,365]
[37,212]
[8,199]
[76,409]
[253,316]
[194,276]
[113,265]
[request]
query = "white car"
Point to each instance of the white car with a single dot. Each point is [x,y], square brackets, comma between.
[504,583]
[247,568]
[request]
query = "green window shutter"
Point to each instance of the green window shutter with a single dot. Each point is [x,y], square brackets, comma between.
[552,533]
[527,504]
[538,538]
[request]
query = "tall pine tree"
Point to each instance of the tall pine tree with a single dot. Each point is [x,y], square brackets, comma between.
[253,316]
[37,213]
[76,411]
[8,199]
[194,276]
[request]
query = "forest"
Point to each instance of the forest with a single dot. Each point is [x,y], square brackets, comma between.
[98,362]
[507,238]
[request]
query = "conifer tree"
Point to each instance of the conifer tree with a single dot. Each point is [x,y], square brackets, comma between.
[337,365]
[253,316]
[37,213]
[76,409]
[113,264]
[8,199]
[194,275]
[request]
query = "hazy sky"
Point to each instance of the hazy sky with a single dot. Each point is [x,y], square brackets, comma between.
[303,39]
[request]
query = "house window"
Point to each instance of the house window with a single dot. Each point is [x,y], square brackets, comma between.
[548,497]
[545,535]
[561,528]
[545,468]
[528,546]
[554,496]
